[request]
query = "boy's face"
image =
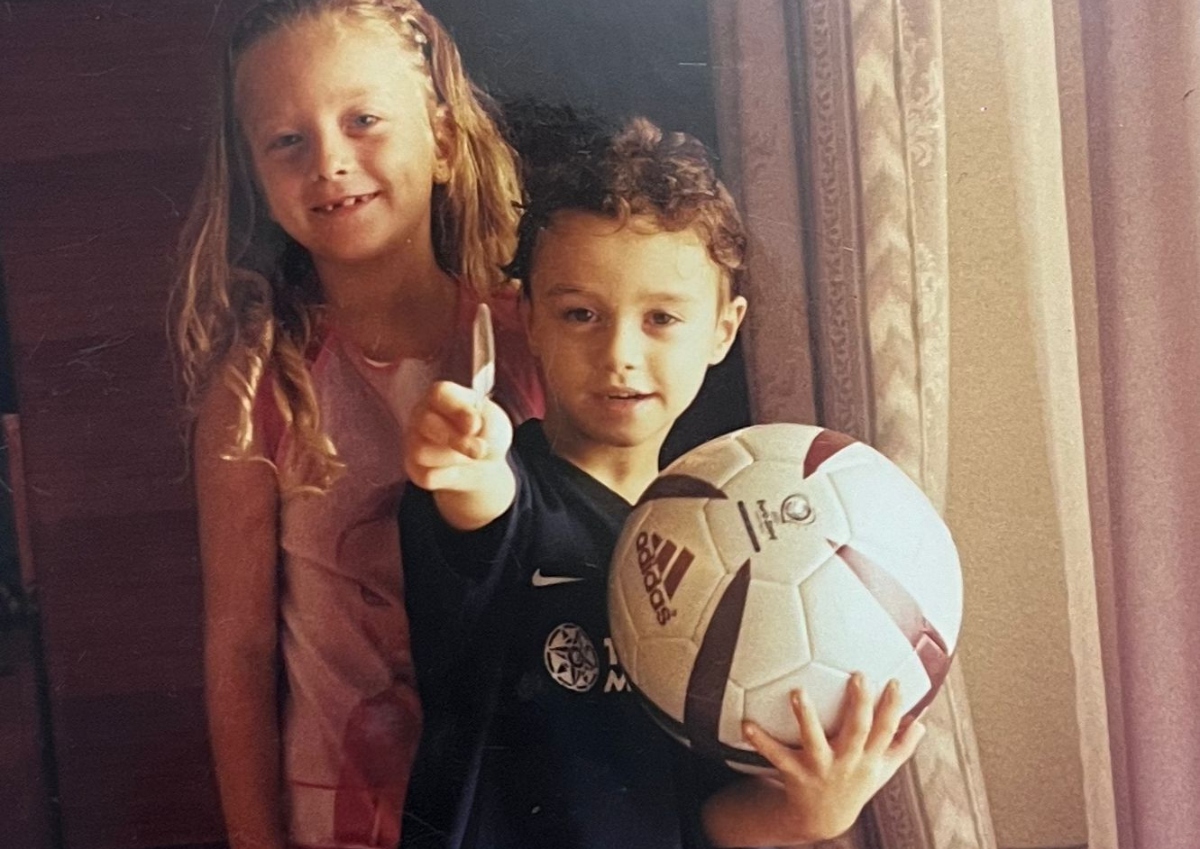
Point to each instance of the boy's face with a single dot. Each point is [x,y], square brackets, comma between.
[625,320]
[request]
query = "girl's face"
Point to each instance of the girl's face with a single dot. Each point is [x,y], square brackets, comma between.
[345,142]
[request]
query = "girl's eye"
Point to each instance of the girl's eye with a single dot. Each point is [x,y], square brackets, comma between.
[579,315]
[284,141]
[662,319]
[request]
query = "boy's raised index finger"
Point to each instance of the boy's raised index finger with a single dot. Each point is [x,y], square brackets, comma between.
[483,356]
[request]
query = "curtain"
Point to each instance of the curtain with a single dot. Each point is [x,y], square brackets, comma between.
[832,135]
[1142,77]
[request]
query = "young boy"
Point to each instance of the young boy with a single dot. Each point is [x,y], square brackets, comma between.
[631,258]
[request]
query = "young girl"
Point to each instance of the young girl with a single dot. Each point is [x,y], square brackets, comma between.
[356,205]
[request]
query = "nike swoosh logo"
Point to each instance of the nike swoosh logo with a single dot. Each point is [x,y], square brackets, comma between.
[540,580]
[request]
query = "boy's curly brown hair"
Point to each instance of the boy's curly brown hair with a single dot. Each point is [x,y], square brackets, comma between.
[585,164]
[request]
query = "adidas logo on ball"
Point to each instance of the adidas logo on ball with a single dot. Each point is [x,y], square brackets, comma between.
[663,565]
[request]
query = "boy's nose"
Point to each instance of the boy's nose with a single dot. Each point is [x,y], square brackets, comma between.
[626,346]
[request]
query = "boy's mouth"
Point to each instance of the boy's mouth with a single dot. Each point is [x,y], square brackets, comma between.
[345,203]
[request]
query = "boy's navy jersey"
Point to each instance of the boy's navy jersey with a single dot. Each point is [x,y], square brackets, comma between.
[533,737]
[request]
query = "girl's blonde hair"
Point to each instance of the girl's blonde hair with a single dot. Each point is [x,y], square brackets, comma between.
[246,297]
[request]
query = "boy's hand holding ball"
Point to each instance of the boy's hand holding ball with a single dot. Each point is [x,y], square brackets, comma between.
[822,784]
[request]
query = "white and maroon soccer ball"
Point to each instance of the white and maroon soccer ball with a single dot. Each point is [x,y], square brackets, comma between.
[778,557]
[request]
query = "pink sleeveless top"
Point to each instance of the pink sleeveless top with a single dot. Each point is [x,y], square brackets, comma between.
[350,716]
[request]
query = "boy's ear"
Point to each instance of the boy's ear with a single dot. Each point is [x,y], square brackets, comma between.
[729,319]
[445,138]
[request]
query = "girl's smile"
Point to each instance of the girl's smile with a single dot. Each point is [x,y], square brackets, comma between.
[345,205]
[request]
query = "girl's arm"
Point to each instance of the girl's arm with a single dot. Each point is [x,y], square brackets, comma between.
[238,503]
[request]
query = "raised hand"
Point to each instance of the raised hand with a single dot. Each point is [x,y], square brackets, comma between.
[455,447]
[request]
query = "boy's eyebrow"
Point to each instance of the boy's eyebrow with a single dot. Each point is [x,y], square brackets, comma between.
[560,289]
[564,289]
[671,297]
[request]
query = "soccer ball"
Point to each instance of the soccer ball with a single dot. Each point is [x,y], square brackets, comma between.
[778,557]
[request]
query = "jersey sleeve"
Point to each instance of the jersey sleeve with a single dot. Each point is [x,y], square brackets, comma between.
[454,580]
[456,585]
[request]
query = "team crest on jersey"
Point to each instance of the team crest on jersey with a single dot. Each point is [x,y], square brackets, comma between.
[571,658]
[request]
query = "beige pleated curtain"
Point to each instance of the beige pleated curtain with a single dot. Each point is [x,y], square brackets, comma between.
[833,138]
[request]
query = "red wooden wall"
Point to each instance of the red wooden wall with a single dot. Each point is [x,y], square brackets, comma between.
[101,110]
[25,821]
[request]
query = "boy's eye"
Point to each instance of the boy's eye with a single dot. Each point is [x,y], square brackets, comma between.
[662,319]
[581,315]
[366,120]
